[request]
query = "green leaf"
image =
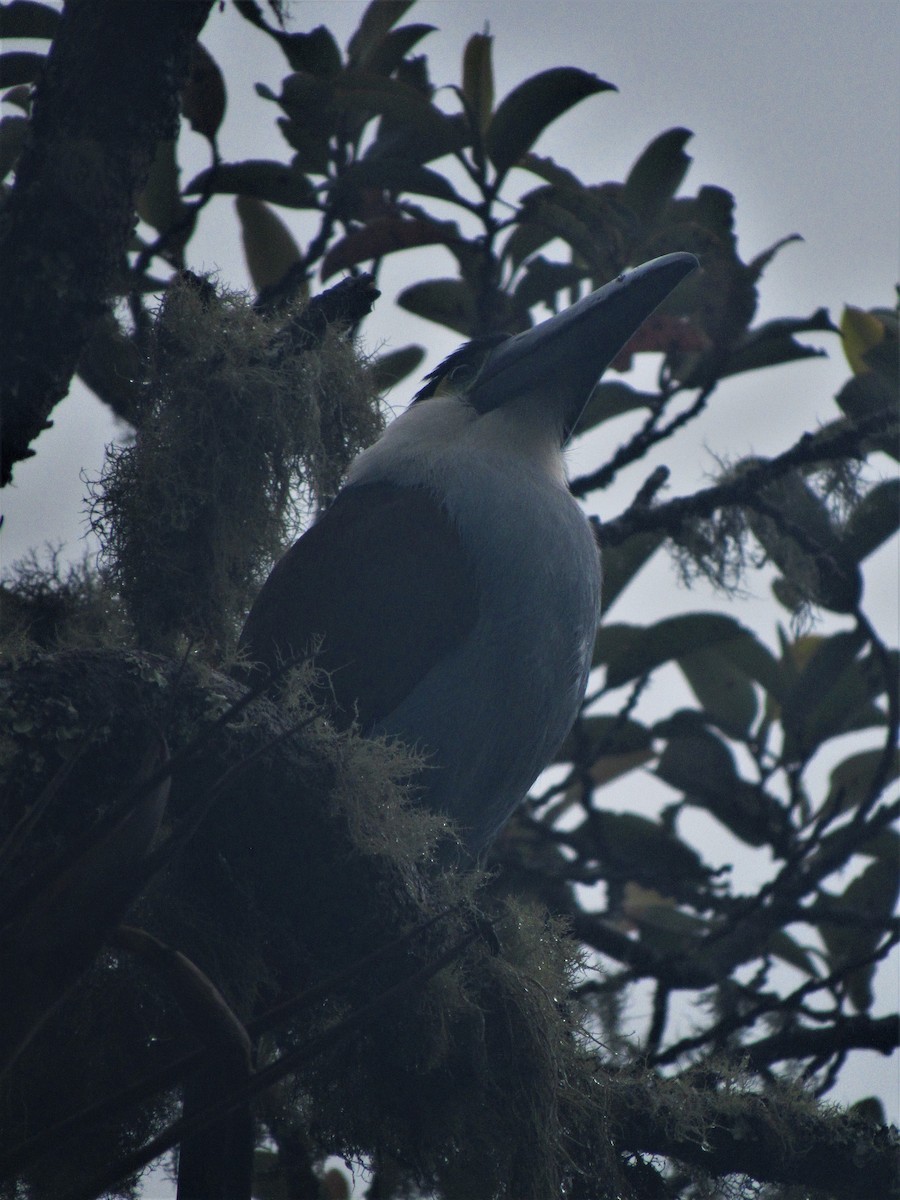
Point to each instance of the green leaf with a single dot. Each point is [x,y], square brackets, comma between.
[448,302]
[274,182]
[802,541]
[525,113]
[657,175]
[19,66]
[630,651]
[874,520]
[647,852]
[871,897]
[621,564]
[870,396]
[724,691]
[389,369]
[702,767]
[411,125]
[527,237]
[592,222]
[478,80]
[383,236]
[269,246]
[831,695]
[26,19]
[783,946]
[599,736]
[378,19]
[851,780]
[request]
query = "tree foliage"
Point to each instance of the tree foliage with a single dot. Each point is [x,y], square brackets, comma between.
[205,893]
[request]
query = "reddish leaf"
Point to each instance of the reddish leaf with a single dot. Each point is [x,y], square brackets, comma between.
[662,334]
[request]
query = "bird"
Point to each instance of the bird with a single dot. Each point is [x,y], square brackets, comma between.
[450,594]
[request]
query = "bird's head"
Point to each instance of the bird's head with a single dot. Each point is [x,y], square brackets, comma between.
[558,362]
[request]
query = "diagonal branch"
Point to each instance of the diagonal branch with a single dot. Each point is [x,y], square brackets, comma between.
[108,93]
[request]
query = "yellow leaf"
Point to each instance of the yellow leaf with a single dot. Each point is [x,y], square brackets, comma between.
[478,78]
[269,246]
[611,766]
[861,331]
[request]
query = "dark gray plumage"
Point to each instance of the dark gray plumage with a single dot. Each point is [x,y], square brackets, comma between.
[454,585]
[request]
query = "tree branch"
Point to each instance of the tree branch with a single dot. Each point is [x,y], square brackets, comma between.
[779,1140]
[108,93]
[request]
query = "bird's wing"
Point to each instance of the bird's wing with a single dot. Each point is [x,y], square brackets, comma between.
[382,584]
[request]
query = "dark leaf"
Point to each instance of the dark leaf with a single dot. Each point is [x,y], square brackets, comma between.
[552,172]
[542,281]
[600,736]
[611,399]
[801,540]
[722,677]
[871,897]
[421,141]
[26,19]
[851,780]
[831,694]
[868,396]
[383,236]
[657,175]
[389,369]
[394,48]
[368,94]
[316,52]
[774,343]
[395,175]
[621,564]
[275,182]
[723,689]
[160,203]
[448,302]
[702,767]
[757,265]
[203,97]
[377,20]
[630,651]
[524,114]
[783,946]
[874,520]
[19,66]
[647,852]
[592,221]
[527,237]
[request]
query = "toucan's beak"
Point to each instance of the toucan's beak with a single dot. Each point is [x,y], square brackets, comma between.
[565,356]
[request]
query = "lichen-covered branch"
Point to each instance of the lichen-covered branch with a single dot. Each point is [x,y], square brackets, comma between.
[108,93]
[773,1140]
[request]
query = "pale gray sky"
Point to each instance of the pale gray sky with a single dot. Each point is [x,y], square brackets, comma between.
[794,108]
